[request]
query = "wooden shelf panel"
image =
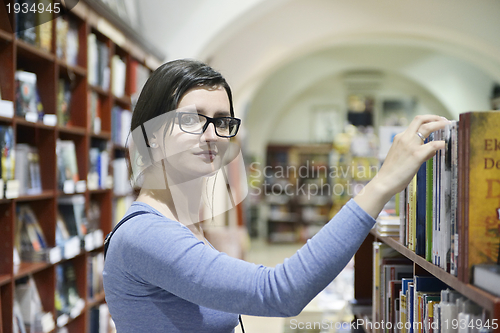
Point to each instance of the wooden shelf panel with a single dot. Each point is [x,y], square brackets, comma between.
[32,52]
[26,268]
[72,130]
[4,279]
[71,69]
[23,122]
[101,136]
[96,300]
[482,298]
[6,36]
[46,194]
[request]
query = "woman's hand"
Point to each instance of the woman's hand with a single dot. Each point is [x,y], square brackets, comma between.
[405,157]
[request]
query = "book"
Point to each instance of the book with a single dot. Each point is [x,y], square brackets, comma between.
[480,219]
[487,277]
[7,141]
[31,242]
[27,169]
[62,28]
[26,21]
[68,302]
[72,210]
[420,211]
[44,27]
[34,317]
[429,205]
[72,44]
[119,72]
[26,94]
[64,94]
[412,213]
[67,166]
[95,112]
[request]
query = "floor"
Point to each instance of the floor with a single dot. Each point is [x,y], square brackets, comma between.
[318,310]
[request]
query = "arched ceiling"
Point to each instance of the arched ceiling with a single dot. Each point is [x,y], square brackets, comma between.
[271,51]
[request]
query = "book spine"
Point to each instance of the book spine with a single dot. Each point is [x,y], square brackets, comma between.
[429,206]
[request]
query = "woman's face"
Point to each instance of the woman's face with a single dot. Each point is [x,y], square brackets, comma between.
[192,156]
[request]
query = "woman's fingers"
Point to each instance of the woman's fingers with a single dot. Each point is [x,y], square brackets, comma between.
[425,124]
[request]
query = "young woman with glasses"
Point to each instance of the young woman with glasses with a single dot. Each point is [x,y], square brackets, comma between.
[160,273]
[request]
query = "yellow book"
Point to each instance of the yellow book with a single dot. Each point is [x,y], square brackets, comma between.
[412,213]
[482,181]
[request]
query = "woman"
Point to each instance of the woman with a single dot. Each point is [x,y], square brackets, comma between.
[160,273]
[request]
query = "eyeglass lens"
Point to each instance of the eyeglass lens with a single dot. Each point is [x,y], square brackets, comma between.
[197,123]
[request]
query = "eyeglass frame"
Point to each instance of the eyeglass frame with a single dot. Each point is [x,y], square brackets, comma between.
[210,120]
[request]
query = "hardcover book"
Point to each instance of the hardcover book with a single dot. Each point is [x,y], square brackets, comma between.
[480,220]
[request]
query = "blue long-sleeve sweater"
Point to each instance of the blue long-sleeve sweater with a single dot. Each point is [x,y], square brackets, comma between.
[158,277]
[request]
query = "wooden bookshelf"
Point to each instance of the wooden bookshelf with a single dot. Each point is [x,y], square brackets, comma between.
[489,302]
[363,276]
[89,17]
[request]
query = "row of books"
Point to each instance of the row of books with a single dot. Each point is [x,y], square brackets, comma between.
[98,70]
[100,320]
[68,302]
[120,125]
[98,170]
[449,212]
[74,231]
[95,266]
[34,26]
[409,303]
[28,313]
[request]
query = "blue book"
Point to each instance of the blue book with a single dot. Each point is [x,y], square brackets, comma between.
[421,210]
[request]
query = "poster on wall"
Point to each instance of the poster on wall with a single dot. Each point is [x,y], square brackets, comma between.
[327,121]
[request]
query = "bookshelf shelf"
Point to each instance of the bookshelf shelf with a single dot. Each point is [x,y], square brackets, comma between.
[63,77]
[96,300]
[72,130]
[101,136]
[99,90]
[5,36]
[484,299]
[46,194]
[4,279]
[32,52]
[29,268]
[66,68]
[123,101]
[23,122]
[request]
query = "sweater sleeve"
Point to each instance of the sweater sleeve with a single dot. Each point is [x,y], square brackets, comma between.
[168,255]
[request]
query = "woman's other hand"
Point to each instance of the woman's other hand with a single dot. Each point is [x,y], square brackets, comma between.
[405,157]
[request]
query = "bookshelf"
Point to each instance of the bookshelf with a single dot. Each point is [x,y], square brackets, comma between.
[455,206]
[55,72]
[298,190]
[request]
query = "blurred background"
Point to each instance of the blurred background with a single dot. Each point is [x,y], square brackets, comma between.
[323,85]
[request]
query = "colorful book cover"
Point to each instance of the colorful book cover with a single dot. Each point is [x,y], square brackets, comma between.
[482,222]
[412,213]
[454,198]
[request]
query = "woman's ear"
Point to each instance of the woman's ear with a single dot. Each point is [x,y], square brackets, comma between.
[152,142]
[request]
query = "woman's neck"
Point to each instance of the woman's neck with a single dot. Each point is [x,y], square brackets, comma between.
[180,202]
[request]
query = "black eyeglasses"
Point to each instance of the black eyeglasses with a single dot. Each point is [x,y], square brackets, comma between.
[195,123]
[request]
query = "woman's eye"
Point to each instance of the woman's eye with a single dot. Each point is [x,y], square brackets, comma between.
[189,119]
[221,123]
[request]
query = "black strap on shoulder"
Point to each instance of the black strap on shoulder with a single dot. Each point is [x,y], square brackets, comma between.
[125,219]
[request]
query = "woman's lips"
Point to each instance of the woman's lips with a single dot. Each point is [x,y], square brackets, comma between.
[208,155]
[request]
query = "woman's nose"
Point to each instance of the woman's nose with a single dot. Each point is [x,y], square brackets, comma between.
[209,134]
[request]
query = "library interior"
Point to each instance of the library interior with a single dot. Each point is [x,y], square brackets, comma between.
[322,89]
